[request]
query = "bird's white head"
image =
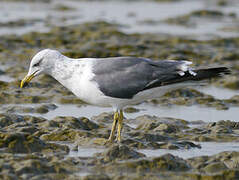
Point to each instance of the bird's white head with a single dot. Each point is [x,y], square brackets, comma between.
[41,63]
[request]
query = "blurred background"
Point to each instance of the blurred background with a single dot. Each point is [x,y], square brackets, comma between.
[199,19]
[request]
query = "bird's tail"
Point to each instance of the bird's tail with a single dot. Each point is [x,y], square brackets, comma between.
[190,76]
[202,74]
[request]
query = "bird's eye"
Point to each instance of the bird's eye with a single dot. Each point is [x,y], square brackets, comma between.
[37,64]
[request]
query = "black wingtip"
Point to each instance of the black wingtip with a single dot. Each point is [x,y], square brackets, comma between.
[211,73]
[225,70]
[220,71]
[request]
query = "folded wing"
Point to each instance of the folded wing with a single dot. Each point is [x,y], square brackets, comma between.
[124,77]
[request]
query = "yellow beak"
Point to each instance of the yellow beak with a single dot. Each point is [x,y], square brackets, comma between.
[26,79]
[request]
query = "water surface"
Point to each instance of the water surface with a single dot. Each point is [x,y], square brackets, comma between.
[42,16]
[189,113]
[207,149]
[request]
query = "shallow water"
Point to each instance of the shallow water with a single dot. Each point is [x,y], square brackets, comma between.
[6,78]
[218,93]
[208,149]
[85,152]
[192,113]
[128,14]
[189,113]
[118,12]
[81,151]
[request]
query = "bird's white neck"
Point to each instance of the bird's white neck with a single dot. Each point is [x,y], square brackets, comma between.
[67,71]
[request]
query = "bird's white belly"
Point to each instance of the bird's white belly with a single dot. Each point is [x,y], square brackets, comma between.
[89,92]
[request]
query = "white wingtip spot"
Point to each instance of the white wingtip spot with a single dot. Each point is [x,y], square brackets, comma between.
[185,67]
[181,73]
[192,72]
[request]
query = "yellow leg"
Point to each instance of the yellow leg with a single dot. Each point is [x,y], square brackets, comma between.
[112,133]
[120,125]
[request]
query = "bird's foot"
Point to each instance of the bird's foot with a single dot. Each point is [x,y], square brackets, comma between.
[109,141]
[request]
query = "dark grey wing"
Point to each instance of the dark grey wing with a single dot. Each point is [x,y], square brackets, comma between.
[123,77]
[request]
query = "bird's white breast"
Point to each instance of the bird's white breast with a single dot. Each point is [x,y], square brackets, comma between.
[83,85]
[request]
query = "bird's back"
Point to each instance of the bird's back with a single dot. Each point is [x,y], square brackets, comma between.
[123,77]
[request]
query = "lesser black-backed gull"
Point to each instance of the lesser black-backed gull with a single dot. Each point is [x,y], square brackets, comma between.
[117,81]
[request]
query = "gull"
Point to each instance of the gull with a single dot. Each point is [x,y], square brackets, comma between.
[117,81]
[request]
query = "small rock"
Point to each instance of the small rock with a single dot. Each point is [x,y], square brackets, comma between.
[34,167]
[120,152]
[103,118]
[98,141]
[131,110]
[133,143]
[8,119]
[166,162]
[179,145]
[167,128]
[21,143]
[215,167]
[25,143]
[63,135]
[76,123]
[168,125]
[221,127]
[1,72]
[96,176]
[45,108]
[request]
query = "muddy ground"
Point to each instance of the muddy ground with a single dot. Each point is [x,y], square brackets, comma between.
[34,146]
